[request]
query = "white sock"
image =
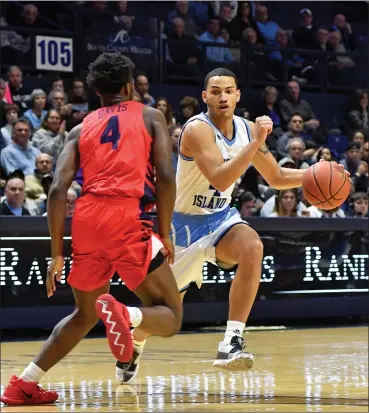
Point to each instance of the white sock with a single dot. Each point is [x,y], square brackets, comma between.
[135,315]
[32,373]
[139,345]
[234,328]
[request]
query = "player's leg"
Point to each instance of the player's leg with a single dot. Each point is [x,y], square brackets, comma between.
[126,372]
[187,268]
[65,336]
[240,245]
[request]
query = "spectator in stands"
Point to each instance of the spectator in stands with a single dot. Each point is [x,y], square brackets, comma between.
[242,21]
[295,127]
[321,39]
[297,67]
[166,108]
[175,138]
[267,28]
[269,105]
[77,104]
[58,101]
[224,15]
[50,137]
[341,25]
[325,154]
[247,204]
[304,36]
[20,154]
[57,84]
[34,188]
[359,137]
[142,87]
[21,94]
[296,148]
[361,178]
[294,104]
[339,65]
[30,17]
[285,204]
[226,10]
[183,12]
[365,152]
[215,54]
[3,101]
[358,116]
[37,114]
[269,206]
[201,12]
[189,107]
[13,203]
[359,205]
[352,158]
[185,57]
[11,115]
[315,212]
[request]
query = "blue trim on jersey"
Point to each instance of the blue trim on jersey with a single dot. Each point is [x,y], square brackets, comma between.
[185,158]
[249,137]
[190,228]
[227,141]
[226,231]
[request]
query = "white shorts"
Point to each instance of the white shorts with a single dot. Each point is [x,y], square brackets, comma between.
[195,238]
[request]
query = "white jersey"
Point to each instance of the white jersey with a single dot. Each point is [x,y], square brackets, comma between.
[195,195]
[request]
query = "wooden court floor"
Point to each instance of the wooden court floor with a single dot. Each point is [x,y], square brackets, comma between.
[313,370]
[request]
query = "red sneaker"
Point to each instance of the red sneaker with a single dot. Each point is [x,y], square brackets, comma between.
[20,392]
[117,323]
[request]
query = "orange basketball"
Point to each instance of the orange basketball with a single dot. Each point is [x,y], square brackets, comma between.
[326,185]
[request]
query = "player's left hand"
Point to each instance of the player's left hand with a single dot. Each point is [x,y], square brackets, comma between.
[54,272]
[341,166]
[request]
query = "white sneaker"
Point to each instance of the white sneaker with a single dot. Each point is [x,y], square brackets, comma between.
[232,356]
[126,372]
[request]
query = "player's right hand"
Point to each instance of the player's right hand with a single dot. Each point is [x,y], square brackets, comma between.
[263,126]
[54,272]
[169,249]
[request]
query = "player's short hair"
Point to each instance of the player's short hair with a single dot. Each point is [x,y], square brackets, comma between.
[220,71]
[110,72]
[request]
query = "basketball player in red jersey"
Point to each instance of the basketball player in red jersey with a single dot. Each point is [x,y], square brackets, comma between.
[115,146]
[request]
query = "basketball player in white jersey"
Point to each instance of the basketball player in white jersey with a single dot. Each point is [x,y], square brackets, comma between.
[215,149]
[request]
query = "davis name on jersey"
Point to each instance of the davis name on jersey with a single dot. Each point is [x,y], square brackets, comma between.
[195,194]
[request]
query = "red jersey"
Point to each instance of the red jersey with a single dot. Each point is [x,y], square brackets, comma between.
[115,152]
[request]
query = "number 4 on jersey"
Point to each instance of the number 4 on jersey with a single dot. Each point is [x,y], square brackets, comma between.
[111,132]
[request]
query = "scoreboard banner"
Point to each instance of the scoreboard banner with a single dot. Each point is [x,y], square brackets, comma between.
[295,264]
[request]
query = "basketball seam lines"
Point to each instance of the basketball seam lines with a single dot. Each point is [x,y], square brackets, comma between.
[333,196]
[316,182]
[112,325]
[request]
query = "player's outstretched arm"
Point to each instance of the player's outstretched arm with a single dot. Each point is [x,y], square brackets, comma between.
[165,185]
[198,142]
[66,169]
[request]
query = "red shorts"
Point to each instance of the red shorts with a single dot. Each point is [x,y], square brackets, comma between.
[108,236]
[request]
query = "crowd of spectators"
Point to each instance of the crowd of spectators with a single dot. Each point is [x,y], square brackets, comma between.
[34,122]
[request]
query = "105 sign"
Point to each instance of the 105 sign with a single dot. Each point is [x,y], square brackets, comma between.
[54,53]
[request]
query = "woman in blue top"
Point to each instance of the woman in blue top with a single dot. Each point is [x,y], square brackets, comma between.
[37,114]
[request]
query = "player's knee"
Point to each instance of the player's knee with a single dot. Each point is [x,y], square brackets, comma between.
[251,251]
[177,323]
[86,319]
